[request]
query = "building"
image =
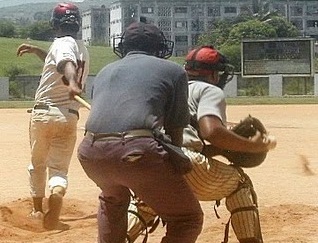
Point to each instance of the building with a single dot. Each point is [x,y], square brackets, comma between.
[95,26]
[302,14]
[182,21]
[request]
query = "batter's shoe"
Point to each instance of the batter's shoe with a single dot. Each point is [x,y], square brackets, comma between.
[51,217]
[38,215]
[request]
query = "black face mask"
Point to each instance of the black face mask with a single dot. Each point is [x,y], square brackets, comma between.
[143,37]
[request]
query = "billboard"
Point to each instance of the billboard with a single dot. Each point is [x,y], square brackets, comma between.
[289,57]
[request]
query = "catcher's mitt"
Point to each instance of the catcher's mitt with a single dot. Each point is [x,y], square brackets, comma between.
[247,128]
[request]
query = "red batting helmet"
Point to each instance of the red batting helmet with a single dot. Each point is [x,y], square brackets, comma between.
[205,60]
[66,15]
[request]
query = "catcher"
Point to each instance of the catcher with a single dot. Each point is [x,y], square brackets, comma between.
[245,145]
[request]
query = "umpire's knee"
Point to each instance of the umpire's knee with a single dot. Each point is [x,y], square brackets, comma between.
[192,225]
[198,223]
[185,230]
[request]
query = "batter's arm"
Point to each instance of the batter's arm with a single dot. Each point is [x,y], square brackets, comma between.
[68,69]
[27,48]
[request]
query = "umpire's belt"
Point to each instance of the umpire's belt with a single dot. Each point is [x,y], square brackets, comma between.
[47,107]
[119,135]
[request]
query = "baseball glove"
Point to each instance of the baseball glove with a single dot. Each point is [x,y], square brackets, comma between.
[247,128]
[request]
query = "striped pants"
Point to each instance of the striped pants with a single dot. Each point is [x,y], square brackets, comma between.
[212,180]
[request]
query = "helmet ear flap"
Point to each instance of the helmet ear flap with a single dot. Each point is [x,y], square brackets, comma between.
[54,23]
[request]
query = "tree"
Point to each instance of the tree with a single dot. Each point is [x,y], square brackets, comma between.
[251,29]
[218,35]
[233,54]
[282,27]
[227,36]
[40,30]
[40,16]
[7,28]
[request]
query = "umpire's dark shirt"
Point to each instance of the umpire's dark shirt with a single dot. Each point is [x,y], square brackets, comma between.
[139,91]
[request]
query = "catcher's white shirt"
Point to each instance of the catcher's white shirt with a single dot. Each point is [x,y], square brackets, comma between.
[51,90]
[204,99]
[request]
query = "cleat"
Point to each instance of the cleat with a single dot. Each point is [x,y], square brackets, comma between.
[36,215]
[51,217]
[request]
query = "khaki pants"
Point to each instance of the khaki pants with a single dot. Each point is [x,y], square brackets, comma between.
[52,140]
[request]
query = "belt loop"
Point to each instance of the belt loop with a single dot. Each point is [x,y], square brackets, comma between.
[123,134]
[93,139]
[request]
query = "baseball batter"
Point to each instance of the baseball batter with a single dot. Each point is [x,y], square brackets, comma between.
[210,179]
[54,117]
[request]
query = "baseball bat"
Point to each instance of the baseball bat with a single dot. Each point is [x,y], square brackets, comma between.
[82,101]
[272,142]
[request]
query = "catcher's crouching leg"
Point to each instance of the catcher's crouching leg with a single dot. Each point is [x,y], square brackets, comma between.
[244,212]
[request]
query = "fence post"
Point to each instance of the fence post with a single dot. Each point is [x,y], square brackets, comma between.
[230,89]
[4,88]
[276,85]
[316,84]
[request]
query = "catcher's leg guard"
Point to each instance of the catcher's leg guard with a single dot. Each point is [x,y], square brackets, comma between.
[244,212]
[140,217]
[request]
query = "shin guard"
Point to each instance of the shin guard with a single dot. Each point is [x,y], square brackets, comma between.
[142,220]
[244,213]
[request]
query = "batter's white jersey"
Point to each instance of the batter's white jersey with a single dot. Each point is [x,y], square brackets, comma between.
[51,90]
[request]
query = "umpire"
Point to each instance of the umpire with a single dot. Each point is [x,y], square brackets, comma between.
[131,97]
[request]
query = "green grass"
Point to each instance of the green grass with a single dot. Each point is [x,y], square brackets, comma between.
[31,65]
[290,100]
[265,100]
[15,104]
[99,57]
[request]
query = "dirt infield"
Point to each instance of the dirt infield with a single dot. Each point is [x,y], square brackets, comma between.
[286,183]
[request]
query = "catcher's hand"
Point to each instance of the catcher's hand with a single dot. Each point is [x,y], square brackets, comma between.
[248,128]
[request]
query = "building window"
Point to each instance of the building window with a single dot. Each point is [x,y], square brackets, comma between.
[214,11]
[130,11]
[312,10]
[230,10]
[280,8]
[245,10]
[312,23]
[181,24]
[164,11]
[180,9]
[164,25]
[181,39]
[197,10]
[147,10]
[197,25]
[298,23]
[296,11]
